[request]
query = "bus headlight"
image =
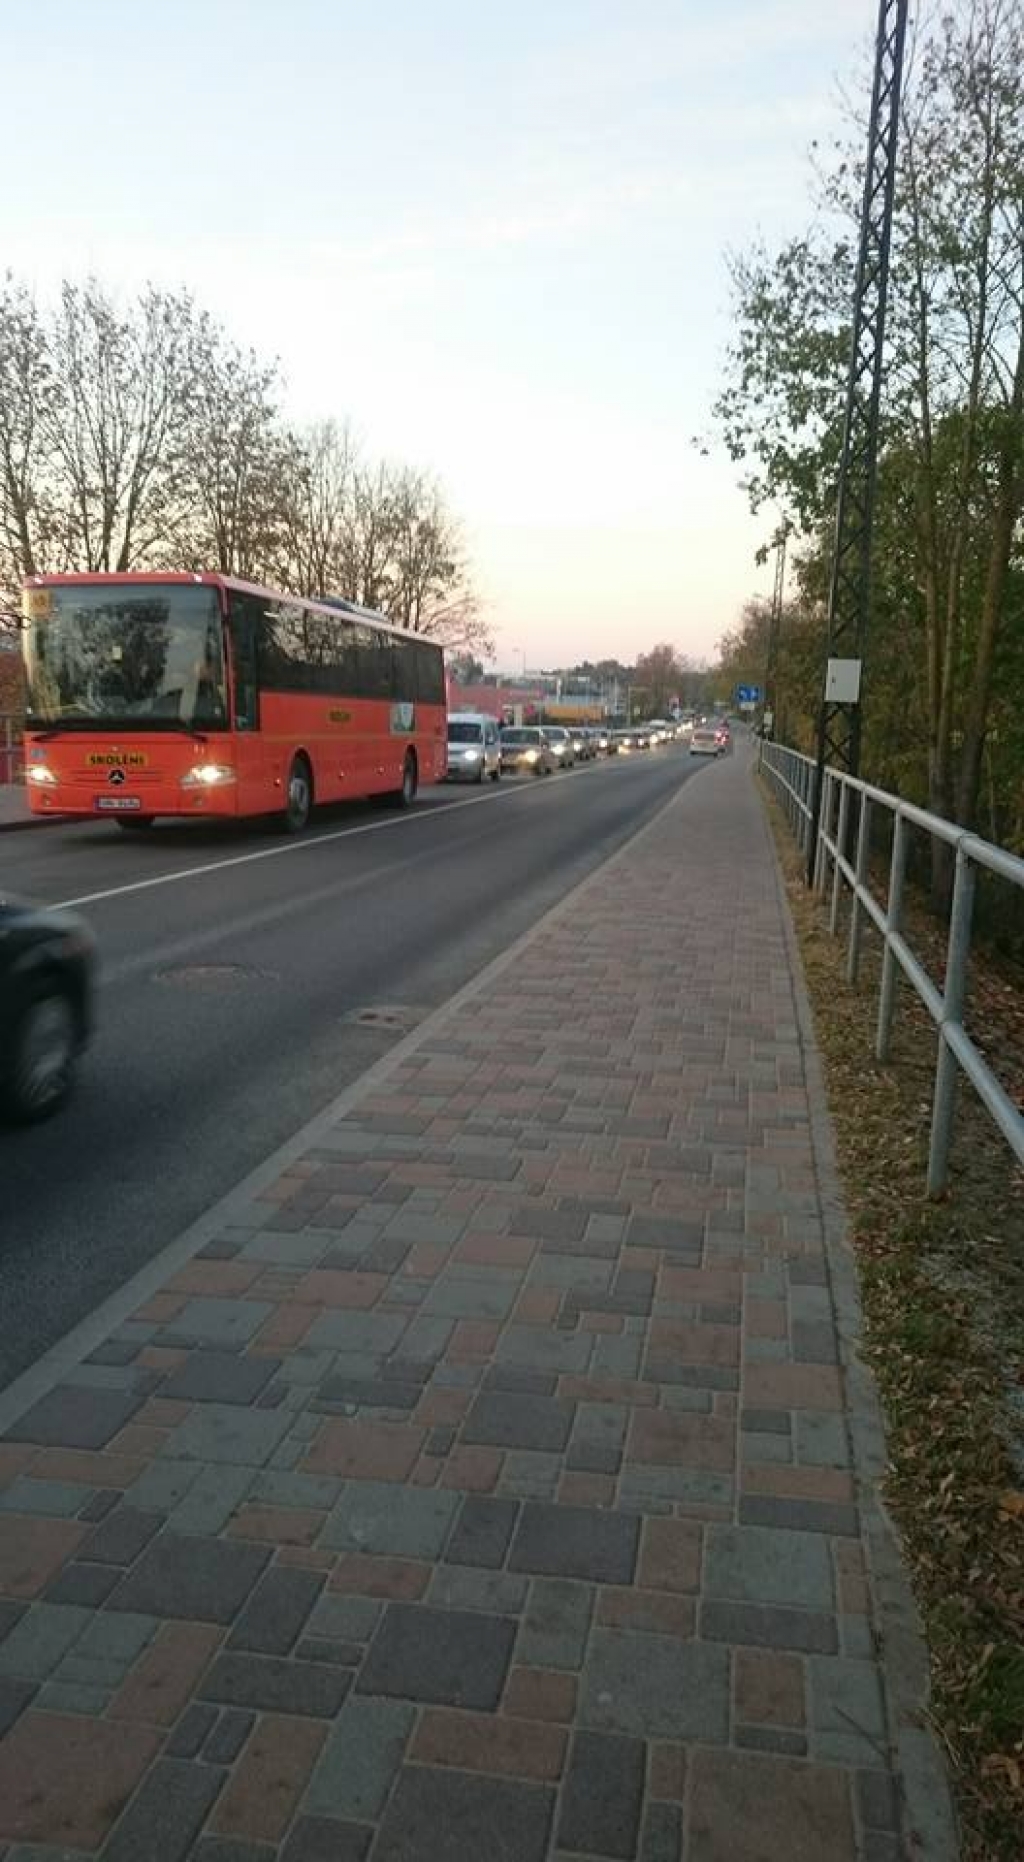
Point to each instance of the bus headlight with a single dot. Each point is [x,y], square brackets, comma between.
[40,772]
[208,776]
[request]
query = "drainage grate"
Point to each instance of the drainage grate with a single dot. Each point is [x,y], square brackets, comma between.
[398,1016]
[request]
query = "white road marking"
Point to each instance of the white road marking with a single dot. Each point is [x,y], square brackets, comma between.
[305,845]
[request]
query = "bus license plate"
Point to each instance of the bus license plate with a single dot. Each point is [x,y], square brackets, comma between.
[118,802]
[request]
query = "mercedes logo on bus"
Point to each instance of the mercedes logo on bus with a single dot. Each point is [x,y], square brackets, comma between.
[115,775]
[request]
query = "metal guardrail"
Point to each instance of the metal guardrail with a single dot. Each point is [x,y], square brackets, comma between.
[792,779]
[12,754]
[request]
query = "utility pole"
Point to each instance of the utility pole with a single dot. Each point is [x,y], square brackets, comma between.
[839,719]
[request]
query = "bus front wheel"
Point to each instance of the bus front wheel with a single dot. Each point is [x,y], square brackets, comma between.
[299,803]
[406,795]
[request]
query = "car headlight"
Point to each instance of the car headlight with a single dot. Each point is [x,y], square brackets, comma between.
[531,756]
[40,772]
[208,776]
[471,756]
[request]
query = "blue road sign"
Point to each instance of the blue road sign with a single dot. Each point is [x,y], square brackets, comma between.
[748,694]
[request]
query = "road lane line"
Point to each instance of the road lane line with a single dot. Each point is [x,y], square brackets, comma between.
[305,845]
[292,846]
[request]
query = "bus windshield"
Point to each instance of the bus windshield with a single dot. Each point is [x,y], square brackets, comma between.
[150,657]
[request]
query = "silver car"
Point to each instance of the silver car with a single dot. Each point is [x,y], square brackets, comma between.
[474,747]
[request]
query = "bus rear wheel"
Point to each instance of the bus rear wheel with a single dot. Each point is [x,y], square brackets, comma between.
[299,803]
[406,795]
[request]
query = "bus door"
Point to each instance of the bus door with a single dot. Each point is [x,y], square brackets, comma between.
[254,793]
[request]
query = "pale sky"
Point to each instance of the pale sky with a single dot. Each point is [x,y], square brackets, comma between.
[492,237]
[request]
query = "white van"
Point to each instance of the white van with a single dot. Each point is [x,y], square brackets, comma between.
[474,747]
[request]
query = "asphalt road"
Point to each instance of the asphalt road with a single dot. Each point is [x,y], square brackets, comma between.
[229,990]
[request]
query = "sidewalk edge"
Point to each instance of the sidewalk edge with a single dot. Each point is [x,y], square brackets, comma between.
[904,1660]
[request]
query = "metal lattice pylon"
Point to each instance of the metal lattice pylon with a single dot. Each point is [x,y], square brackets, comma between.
[850,585]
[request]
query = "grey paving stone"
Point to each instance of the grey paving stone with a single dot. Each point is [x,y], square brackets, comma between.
[53,1499]
[219,1377]
[554,1634]
[228,1736]
[99,1504]
[772,1739]
[315,1491]
[161,1487]
[464,1296]
[227,1849]
[806,1632]
[655,1687]
[86,1584]
[321,1839]
[576,1542]
[468,1818]
[10,1613]
[115,1351]
[71,1416]
[821,1439]
[227,1322]
[368,1393]
[877,1800]
[15,1695]
[190,1733]
[602,1795]
[483,1531]
[120,1639]
[211,1499]
[828,1516]
[766,1421]
[760,1564]
[675,1235]
[272,1619]
[345,1619]
[592,1274]
[74,1697]
[510,1421]
[41,1639]
[120,1537]
[618,1357]
[225,1432]
[113,1377]
[426,1338]
[166,1813]
[847,1711]
[460,1587]
[198,1579]
[454,1658]
[272,1685]
[514,1377]
[537,1348]
[375,1333]
[356,1768]
[301,1251]
[381,1516]
[568,1222]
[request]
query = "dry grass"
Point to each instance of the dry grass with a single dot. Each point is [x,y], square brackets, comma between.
[943,1291]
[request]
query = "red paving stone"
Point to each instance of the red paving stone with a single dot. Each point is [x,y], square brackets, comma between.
[64,1778]
[369,1451]
[259,1800]
[160,1684]
[33,1550]
[504,1747]
[540,1694]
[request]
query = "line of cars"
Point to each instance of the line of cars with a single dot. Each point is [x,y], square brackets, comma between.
[479,749]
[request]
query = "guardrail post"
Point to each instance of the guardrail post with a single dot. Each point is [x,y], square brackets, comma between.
[860,873]
[893,923]
[837,875]
[823,831]
[954,996]
[805,818]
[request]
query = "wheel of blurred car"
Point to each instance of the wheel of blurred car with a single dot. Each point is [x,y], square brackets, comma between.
[42,1054]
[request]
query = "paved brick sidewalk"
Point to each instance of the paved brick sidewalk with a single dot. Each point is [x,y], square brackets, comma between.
[483,1492]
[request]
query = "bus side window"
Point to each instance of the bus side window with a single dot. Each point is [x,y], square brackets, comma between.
[246,620]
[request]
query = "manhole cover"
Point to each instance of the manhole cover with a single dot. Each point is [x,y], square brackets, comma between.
[394,1015]
[212,975]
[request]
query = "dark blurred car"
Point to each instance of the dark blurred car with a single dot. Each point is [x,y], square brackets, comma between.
[47,970]
[524,752]
[581,747]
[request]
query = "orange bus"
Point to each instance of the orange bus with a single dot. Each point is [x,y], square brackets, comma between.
[203,695]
